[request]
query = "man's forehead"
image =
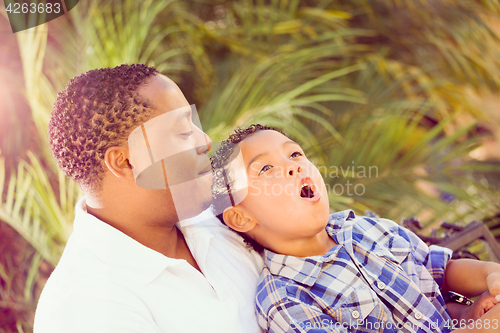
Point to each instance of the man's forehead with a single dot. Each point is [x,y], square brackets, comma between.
[163,93]
[156,84]
[169,119]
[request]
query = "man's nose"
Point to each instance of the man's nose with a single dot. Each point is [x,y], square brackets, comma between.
[204,143]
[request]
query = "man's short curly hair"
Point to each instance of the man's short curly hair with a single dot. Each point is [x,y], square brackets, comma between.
[222,185]
[95,111]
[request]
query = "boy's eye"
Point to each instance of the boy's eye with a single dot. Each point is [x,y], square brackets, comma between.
[264,169]
[296,154]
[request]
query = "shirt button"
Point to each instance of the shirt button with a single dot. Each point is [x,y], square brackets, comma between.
[355,314]
[418,315]
[381,285]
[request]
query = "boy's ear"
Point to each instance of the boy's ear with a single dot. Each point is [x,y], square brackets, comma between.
[117,161]
[236,219]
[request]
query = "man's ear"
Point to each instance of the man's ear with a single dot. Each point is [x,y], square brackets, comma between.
[236,219]
[117,161]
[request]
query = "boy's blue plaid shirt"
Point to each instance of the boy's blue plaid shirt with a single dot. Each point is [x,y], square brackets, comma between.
[380,278]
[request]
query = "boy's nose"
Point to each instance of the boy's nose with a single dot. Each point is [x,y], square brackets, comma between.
[293,169]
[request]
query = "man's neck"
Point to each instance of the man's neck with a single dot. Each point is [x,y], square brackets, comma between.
[161,236]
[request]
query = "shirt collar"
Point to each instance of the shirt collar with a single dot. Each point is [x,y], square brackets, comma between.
[340,224]
[117,249]
[337,221]
[306,270]
[201,222]
[199,231]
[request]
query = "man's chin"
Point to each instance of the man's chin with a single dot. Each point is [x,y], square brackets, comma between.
[193,211]
[206,204]
[191,198]
[205,187]
[205,200]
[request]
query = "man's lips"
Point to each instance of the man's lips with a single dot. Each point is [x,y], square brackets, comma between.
[205,171]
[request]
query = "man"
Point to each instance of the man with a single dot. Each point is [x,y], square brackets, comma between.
[128,267]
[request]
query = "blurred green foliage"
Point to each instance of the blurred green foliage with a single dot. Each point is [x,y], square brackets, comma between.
[378,85]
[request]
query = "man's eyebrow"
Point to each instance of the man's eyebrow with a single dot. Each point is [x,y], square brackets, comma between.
[183,114]
[266,153]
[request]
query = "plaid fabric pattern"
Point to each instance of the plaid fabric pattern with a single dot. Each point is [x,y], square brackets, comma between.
[380,278]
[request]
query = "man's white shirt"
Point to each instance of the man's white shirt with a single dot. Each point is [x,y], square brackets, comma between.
[108,282]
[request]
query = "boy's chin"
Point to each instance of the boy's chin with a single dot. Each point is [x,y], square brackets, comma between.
[322,215]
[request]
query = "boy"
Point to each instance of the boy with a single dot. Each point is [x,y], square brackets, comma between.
[339,272]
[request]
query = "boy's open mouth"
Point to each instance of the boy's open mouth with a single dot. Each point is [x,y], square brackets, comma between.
[306,191]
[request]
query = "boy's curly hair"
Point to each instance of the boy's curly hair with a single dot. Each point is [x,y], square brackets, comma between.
[222,186]
[95,111]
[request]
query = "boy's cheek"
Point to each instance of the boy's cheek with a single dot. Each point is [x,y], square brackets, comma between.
[266,188]
[255,188]
[312,170]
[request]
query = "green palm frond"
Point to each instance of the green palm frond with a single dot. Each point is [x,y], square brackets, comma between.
[390,158]
[375,84]
[319,73]
[248,99]
[114,34]
[39,91]
[448,39]
[35,211]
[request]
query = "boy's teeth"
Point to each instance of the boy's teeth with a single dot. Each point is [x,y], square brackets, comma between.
[306,191]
